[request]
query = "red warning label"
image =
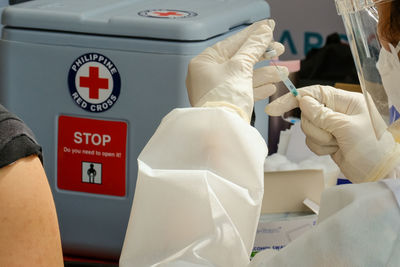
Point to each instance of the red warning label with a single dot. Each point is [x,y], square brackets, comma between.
[91,155]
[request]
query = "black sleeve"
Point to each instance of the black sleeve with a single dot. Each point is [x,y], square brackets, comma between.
[16,139]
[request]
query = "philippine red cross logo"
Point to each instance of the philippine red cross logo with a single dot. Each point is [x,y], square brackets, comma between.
[94,82]
[167,13]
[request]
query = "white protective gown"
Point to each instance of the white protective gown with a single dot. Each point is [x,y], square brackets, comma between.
[198,198]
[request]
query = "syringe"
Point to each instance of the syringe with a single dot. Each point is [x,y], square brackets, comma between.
[270,53]
[288,83]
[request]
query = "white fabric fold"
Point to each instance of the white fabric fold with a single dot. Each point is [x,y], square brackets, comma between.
[199,192]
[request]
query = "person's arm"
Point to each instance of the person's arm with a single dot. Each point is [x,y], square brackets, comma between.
[29,233]
[200,177]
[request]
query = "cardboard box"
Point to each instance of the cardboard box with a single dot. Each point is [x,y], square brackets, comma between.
[284,217]
[275,231]
[285,191]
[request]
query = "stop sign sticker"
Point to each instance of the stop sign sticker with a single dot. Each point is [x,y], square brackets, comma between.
[91,155]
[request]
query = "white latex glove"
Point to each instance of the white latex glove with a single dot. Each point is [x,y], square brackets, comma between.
[222,75]
[337,122]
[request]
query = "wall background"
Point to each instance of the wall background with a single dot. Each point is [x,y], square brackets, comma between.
[302,25]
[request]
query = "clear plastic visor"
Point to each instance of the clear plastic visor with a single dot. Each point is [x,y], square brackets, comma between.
[360,18]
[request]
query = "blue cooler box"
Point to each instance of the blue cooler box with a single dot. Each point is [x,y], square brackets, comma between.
[93,79]
[3,4]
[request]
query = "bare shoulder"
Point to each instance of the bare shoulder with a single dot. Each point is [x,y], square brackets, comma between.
[29,233]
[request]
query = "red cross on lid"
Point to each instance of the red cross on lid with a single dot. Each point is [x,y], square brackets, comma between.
[94,82]
[168,13]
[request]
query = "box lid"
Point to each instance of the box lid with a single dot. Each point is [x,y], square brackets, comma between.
[285,191]
[187,20]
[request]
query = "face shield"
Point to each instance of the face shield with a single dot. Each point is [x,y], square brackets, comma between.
[361,21]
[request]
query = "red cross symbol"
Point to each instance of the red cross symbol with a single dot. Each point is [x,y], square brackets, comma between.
[169,13]
[93,82]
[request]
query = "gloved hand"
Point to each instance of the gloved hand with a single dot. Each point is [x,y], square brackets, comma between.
[338,123]
[222,75]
